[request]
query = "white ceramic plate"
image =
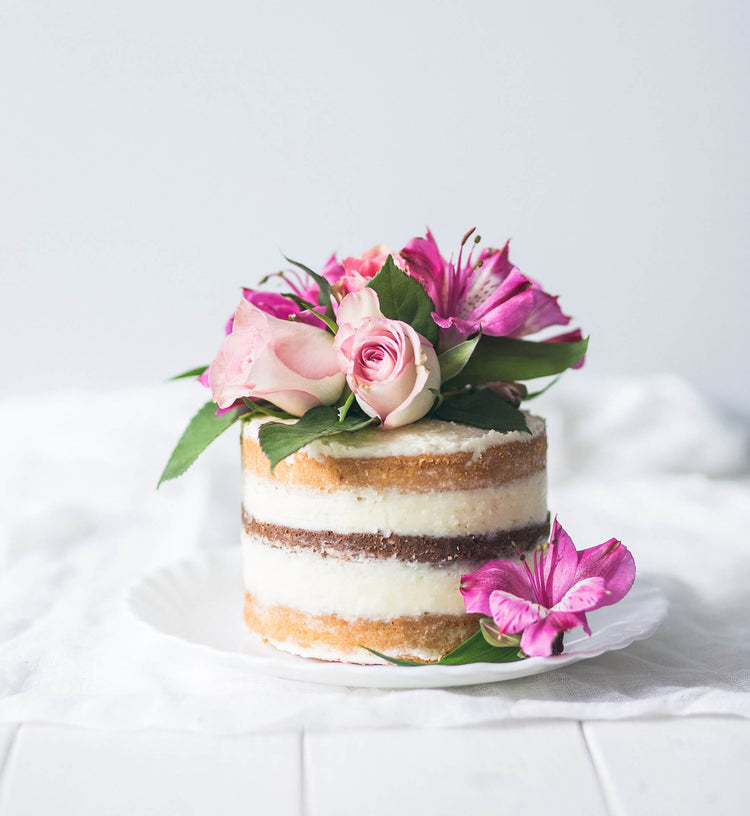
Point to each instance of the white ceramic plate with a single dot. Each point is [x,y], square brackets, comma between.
[200,602]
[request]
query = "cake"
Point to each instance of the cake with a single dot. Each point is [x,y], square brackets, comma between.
[386,457]
[362,538]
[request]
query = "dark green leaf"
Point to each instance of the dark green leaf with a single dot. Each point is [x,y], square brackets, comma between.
[281,440]
[203,428]
[476,650]
[193,373]
[264,408]
[535,394]
[504,359]
[395,660]
[324,287]
[454,359]
[482,408]
[306,306]
[404,298]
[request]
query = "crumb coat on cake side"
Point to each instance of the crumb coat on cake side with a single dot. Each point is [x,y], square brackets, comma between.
[342,540]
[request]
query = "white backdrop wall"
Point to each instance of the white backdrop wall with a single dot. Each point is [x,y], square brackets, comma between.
[155,156]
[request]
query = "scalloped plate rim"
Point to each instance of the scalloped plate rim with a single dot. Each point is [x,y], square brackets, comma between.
[212,568]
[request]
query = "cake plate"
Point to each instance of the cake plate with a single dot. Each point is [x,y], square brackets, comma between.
[199,602]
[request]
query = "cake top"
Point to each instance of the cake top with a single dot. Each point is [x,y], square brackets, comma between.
[428,436]
[375,343]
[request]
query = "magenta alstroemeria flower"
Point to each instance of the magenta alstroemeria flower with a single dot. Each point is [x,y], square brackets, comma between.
[486,292]
[552,595]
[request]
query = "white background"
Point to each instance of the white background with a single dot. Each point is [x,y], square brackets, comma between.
[155,156]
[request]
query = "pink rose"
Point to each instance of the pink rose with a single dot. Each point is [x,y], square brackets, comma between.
[359,271]
[293,365]
[389,366]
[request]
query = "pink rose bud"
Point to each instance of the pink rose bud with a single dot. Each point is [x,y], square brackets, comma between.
[293,365]
[389,366]
[359,271]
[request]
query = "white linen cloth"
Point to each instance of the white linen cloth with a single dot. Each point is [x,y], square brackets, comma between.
[646,461]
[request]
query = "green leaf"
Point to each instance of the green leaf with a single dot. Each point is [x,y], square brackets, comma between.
[474,649]
[482,408]
[404,298]
[535,394]
[193,373]
[203,428]
[454,359]
[395,660]
[264,408]
[492,634]
[281,440]
[504,359]
[324,287]
[306,306]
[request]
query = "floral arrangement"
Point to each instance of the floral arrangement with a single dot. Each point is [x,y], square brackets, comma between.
[382,339]
[386,339]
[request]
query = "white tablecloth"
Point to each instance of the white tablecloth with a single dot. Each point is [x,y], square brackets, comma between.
[646,461]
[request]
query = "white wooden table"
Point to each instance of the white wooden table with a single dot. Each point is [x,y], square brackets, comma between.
[664,766]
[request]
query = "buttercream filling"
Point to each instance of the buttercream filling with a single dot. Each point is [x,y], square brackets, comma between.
[377,588]
[451,513]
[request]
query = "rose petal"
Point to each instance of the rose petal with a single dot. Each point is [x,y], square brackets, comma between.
[291,364]
[357,306]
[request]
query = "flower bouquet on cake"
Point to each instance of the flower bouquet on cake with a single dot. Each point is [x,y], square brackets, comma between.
[394,490]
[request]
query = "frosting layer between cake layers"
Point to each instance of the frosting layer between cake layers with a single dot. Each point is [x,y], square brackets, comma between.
[363,537]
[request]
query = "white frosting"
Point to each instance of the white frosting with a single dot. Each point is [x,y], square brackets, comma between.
[374,588]
[429,436]
[365,510]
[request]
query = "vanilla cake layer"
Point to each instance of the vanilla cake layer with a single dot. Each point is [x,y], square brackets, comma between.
[420,458]
[446,512]
[366,587]
[329,637]
[360,536]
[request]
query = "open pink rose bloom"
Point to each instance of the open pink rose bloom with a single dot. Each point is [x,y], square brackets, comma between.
[291,364]
[391,369]
[554,594]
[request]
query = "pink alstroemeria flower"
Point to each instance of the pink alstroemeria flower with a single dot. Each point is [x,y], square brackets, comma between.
[486,293]
[554,594]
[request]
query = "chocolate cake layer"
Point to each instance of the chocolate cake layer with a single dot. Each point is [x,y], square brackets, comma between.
[424,549]
[425,473]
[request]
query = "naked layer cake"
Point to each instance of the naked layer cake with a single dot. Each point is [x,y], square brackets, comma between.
[363,538]
[386,456]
